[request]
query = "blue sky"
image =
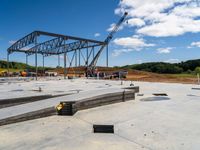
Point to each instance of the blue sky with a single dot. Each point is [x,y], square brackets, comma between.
[161,33]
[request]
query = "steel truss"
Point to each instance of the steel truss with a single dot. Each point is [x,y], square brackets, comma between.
[83,49]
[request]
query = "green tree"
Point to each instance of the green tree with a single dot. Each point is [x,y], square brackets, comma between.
[197,70]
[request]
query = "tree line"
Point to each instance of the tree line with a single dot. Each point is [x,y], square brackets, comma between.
[190,66]
[21,66]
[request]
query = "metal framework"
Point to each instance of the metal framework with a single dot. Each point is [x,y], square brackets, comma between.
[83,49]
[63,44]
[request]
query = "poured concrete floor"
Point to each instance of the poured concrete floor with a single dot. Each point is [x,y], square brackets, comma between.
[13,89]
[149,122]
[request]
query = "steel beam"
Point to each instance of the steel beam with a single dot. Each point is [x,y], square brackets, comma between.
[23,42]
[56,46]
[68,37]
[32,37]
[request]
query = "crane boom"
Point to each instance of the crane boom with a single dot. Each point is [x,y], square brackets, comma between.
[108,39]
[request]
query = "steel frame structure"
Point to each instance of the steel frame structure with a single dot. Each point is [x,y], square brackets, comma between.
[58,44]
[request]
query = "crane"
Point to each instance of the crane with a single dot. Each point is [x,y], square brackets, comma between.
[93,63]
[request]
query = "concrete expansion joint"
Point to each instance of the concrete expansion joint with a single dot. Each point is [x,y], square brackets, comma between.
[83,120]
[124,121]
[127,139]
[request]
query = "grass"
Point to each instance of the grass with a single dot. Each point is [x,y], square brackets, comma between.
[183,75]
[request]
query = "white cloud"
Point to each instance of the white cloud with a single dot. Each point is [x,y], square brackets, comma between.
[194,44]
[139,61]
[56,57]
[162,18]
[189,47]
[129,44]
[172,61]
[97,34]
[118,52]
[11,42]
[26,48]
[136,22]
[112,27]
[132,42]
[164,50]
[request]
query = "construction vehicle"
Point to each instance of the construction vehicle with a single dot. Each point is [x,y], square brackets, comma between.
[91,69]
[120,74]
[23,73]
[27,73]
[3,73]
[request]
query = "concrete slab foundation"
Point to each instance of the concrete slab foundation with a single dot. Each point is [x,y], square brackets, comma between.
[160,124]
[41,106]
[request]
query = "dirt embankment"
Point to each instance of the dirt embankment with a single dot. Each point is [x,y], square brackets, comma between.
[136,75]
[153,77]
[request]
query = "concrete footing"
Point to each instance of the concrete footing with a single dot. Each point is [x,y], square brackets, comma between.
[71,107]
[47,108]
[23,100]
[17,101]
[29,116]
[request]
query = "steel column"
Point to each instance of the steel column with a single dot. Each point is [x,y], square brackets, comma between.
[107,55]
[87,55]
[93,52]
[43,65]
[65,64]
[79,57]
[58,60]
[27,62]
[36,67]
[75,58]
[8,62]
[26,59]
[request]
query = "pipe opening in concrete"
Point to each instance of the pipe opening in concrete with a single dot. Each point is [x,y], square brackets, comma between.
[103,128]
[160,94]
[195,88]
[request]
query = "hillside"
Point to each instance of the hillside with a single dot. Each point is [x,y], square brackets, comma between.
[16,66]
[166,68]
[139,72]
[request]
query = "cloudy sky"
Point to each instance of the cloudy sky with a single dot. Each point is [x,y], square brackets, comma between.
[155,30]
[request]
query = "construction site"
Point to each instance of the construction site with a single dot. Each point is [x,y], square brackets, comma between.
[83,106]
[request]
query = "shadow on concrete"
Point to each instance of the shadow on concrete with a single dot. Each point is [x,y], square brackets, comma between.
[17,90]
[157,98]
[193,95]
